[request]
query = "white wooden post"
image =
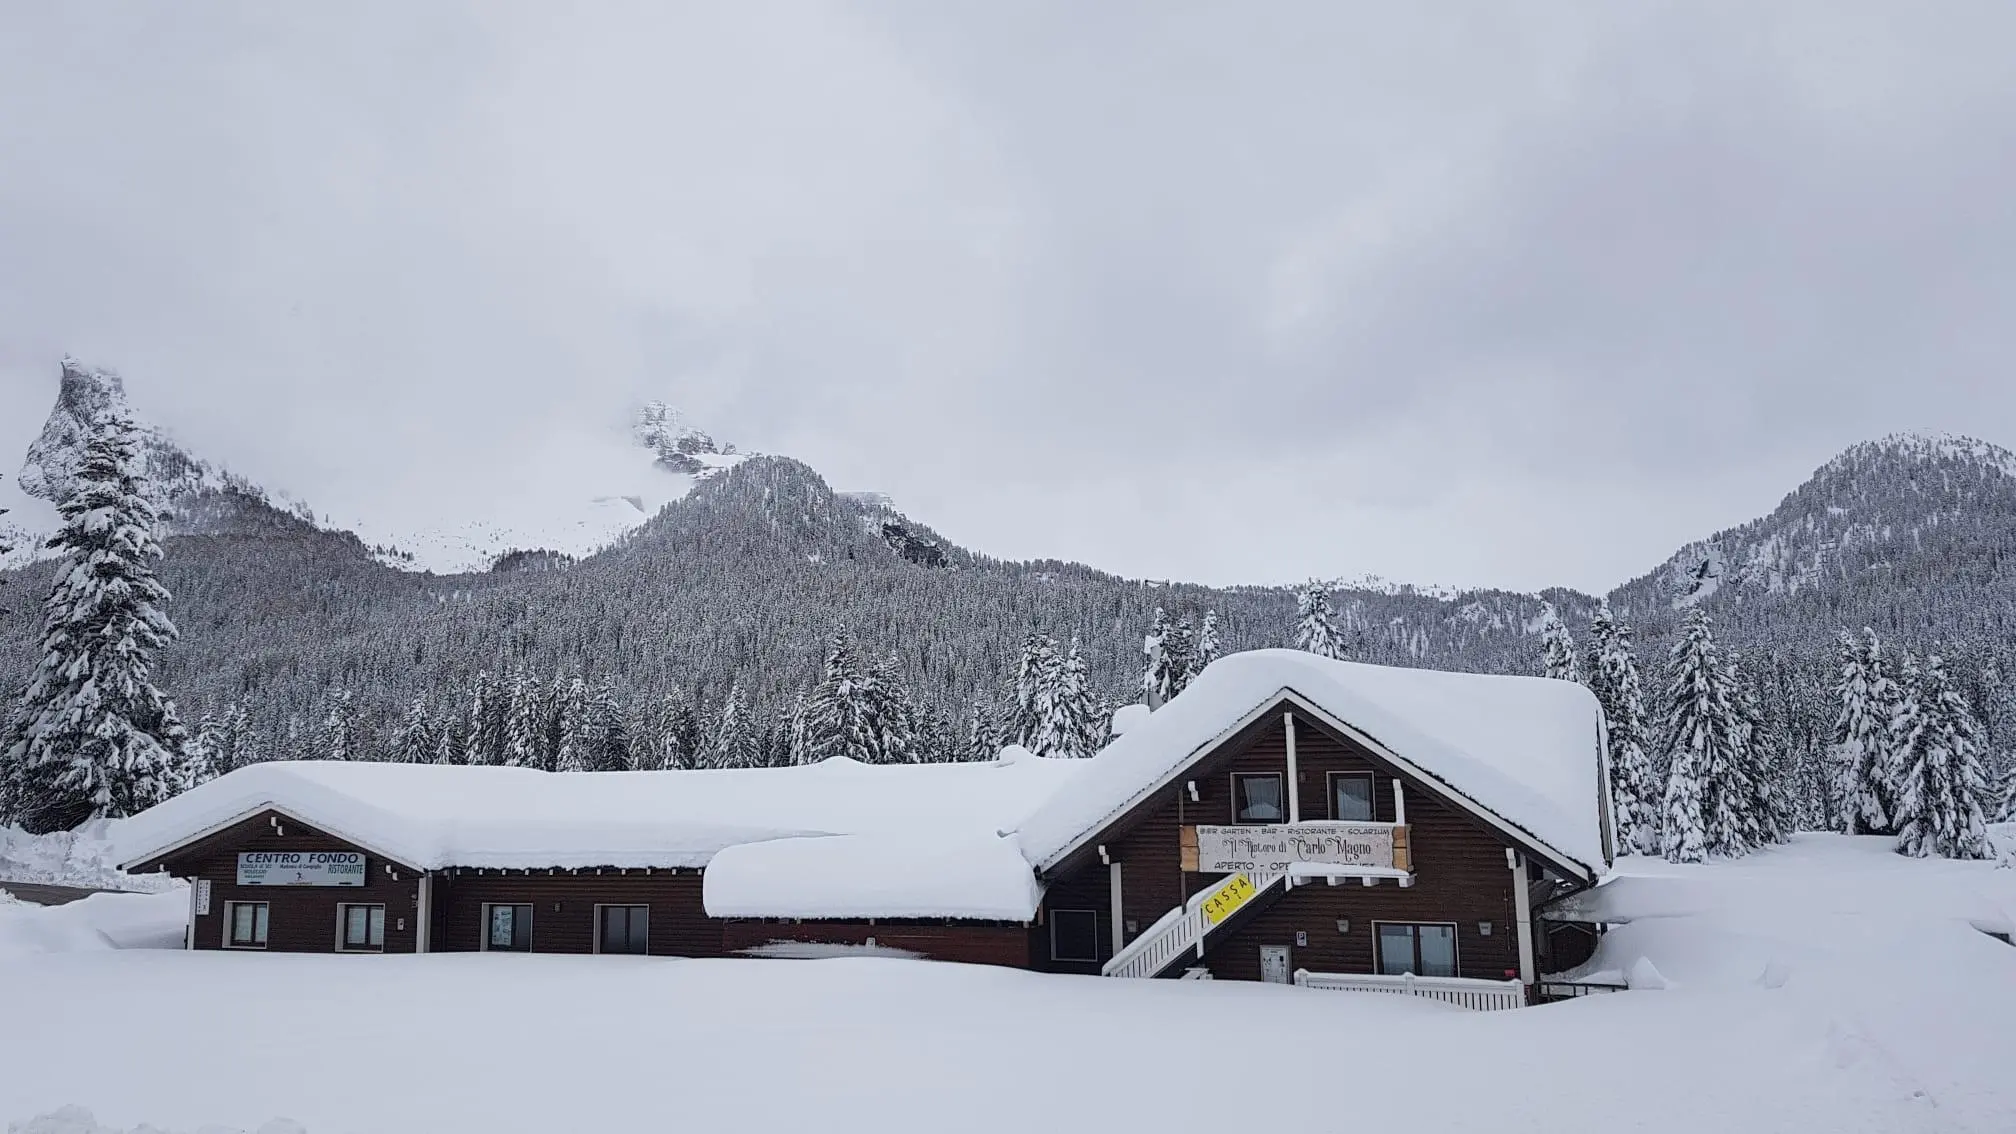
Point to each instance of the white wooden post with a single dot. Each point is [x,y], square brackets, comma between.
[189,934]
[1399,804]
[1522,905]
[1294,776]
[1119,914]
[423,936]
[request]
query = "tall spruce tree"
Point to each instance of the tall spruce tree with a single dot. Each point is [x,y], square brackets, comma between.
[608,730]
[484,739]
[1067,727]
[1861,738]
[1162,673]
[1634,789]
[570,714]
[733,744]
[1700,814]
[524,721]
[1942,793]
[1208,646]
[838,715]
[1315,625]
[92,736]
[1036,683]
[1556,647]
[338,740]
[415,741]
[894,728]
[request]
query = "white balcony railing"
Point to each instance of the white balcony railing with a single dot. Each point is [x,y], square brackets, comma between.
[1481,995]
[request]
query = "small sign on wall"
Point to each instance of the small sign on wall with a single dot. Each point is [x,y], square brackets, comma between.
[202,897]
[300,868]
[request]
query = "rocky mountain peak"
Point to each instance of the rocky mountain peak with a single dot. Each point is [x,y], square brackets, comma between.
[681,447]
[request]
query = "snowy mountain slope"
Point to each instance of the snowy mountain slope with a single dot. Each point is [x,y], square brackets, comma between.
[1876,511]
[656,458]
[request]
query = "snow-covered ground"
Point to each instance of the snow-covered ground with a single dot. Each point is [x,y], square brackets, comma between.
[1833,987]
[84,857]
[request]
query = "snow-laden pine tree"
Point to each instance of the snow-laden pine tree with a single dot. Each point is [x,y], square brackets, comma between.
[570,714]
[1759,791]
[733,743]
[797,742]
[1035,683]
[483,741]
[838,715]
[1862,734]
[338,740]
[1941,799]
[1162,673]
[200,761]
[1699,815]
[1556,647]
[678,732]
[1634,789]
[236,744]
[893,726]
[1067,728]
[524,721]
[449,742]
[92,736]
[415,741]
[981,744]
[1208,646]
[1315,625]
[608,729]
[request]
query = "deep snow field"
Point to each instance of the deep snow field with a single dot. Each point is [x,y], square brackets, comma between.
[1827,986]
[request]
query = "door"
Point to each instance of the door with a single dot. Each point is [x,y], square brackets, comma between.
[1274,964]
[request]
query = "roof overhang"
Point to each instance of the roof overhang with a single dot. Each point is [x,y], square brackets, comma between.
[161,852]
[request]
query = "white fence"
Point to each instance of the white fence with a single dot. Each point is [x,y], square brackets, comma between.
[1482,995]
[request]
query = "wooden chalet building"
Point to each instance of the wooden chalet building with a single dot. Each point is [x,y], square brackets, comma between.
[1287,818]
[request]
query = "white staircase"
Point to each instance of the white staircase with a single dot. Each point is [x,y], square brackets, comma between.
[1182,930]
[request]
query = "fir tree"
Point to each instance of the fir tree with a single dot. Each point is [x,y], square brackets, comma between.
[235,743]
[524,722]
[1861,738]
[1161,677]
[608,731]
[1315,626]
[92,735]
[1066,728]
[339,728]
[1700,812]
[891,719]
[1557,647]
[1942,793]
[570,754]
[678,733]
[415,742]
[449,744]
[200,763]
[981,743]
[838,714]
[1036,683]
[484,739]
[734,743]
[797,745]
[1634,788]
[1207,648]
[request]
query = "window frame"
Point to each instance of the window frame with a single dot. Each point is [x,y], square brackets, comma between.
[633,907]
[1281,784]
[231,924]
[483,934]
[1093,937]
[1414,938]
[1371,795]
[343,944]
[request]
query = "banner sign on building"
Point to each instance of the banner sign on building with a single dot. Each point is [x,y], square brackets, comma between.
[1274,847]
[300,868]
[1236,892]
[202,897]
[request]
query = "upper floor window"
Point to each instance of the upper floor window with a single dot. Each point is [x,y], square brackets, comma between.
[1257,797]
[1351,797]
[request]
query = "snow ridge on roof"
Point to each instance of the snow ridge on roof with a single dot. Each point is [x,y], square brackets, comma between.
[1526,749]
[979,876]
[432,816]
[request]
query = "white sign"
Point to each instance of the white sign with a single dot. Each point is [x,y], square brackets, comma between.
[300,868]
[202,897]
[1272,847]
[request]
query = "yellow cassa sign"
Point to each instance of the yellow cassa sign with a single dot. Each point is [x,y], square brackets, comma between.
[1236,892]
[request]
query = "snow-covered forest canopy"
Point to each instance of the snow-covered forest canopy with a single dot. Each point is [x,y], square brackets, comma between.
[765,619]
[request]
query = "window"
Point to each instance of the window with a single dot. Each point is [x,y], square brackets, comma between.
[363,928]
[507,929]
[1258,798]
[1424,950]
[1351,797]
[1074,935]
[622,929]
[245,925]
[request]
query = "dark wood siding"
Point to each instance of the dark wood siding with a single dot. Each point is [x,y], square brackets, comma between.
[1461,874]
[969,942]
[563,908]
[301,919]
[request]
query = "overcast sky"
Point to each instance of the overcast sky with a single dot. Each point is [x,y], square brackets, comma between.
[1512,295]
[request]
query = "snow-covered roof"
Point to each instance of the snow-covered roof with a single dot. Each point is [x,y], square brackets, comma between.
[1527,751]
[980,876]
[430,816]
